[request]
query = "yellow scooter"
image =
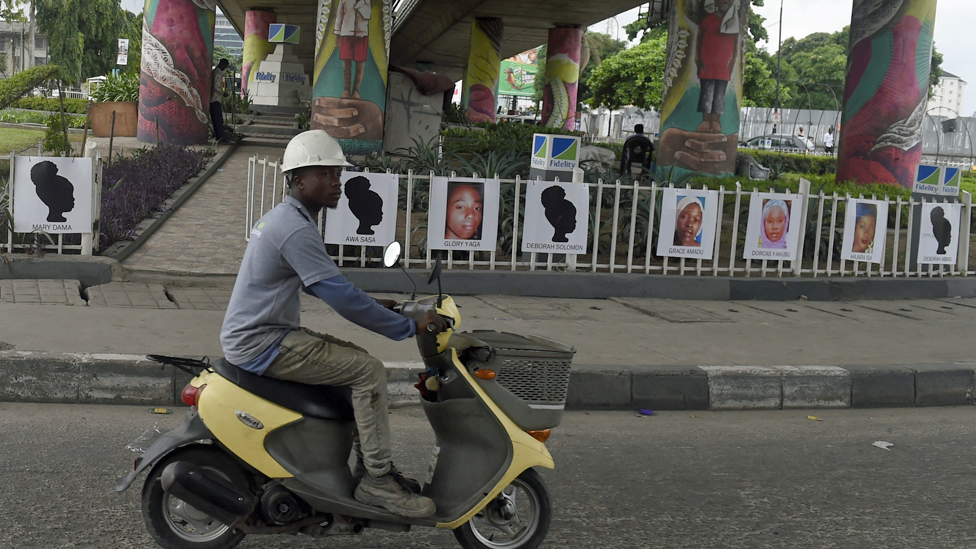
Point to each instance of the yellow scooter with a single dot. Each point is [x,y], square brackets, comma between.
[257,455]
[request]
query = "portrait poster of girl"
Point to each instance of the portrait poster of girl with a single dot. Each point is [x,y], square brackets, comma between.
[688,219]
[865,228]
[774,225]
[463,214]
[556,217]
[367,211]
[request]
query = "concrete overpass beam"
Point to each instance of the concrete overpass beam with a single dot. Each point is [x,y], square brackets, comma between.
[256,45]
[702,92]
[480,89]
[351,73]
[886,93]
[177,49]
[562,77]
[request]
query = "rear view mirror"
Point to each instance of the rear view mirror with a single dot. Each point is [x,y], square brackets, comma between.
[391,256]
[435,273]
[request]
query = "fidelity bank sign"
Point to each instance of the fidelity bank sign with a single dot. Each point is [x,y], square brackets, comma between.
[558,153]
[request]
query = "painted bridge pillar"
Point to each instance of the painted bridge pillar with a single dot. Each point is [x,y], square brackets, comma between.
[256,45]
[177,48]
[480,88]
[562,77]
[702,92]
[886,93]
[351,72]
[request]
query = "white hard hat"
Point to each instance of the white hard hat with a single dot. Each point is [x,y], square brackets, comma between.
[312,148]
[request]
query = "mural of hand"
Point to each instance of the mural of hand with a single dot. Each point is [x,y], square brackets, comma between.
[347,118]
[698,151]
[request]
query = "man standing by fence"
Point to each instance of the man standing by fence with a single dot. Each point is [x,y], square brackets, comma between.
[216,94]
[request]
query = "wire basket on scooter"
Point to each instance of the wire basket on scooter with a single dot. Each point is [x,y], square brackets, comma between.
[531,377]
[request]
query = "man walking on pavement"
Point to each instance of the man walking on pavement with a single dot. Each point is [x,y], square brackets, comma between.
[262,332]
[216,94]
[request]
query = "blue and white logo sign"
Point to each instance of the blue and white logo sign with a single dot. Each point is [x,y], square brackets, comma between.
[539,151]
[555,152]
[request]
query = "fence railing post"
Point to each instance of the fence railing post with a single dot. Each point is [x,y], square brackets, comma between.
[571,258]
[804,206]
[964,227]
[10,206]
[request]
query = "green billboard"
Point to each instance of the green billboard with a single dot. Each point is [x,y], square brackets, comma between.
[517,79]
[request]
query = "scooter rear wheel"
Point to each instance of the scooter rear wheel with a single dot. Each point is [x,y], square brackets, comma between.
[518,518]
[175,524]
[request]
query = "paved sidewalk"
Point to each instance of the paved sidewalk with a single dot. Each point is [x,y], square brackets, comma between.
[631,353]
[206,235]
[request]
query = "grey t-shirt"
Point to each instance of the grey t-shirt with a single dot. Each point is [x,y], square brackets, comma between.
[285,253]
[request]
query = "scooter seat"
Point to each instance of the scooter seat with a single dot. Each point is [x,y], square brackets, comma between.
[318,401]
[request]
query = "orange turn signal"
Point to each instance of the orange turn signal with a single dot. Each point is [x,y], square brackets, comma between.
[542,435]
[484,374]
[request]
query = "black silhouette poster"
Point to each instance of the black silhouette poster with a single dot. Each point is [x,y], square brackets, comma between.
[53,195]
[463,214]
[939,241]
[556,217]
[367,210]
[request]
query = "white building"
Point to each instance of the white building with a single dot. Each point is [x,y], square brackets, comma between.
[946,98]
[15,48]
[226,36]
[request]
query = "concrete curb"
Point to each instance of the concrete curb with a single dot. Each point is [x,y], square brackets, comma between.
[27,376]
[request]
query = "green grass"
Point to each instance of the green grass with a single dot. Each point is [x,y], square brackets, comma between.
[16,139]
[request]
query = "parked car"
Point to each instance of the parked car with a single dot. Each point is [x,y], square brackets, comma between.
[788,143]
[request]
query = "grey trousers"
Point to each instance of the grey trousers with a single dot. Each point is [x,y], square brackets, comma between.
[319,359]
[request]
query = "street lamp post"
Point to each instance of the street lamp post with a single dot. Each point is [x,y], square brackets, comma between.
[779,57]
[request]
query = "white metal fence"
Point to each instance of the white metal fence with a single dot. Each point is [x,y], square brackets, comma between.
[623,226]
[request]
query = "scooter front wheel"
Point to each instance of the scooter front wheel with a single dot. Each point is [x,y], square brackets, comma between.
[517,519]
[175,524]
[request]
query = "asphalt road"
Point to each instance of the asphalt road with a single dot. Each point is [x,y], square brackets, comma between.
[677,479]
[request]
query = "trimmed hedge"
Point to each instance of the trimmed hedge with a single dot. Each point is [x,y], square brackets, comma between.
[503,137]
[793,163]
[75,106]
[20,84]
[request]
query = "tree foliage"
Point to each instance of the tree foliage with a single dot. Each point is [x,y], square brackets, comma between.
[83,34]
[221,52]
[599,47]
[631,77]
[20,84]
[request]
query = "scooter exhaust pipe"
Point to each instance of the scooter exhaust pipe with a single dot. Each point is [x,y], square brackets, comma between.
[207,492]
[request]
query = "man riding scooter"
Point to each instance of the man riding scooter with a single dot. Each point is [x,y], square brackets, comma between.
[262,334]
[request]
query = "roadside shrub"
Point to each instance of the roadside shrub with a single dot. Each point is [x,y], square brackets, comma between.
[134,187]
[502,137]
[794,163]
[38,117]
[55,139]
[118,87]
[51,104]
[20,84]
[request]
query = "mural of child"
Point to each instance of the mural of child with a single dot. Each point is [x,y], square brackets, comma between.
[718,46]
[352,29]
